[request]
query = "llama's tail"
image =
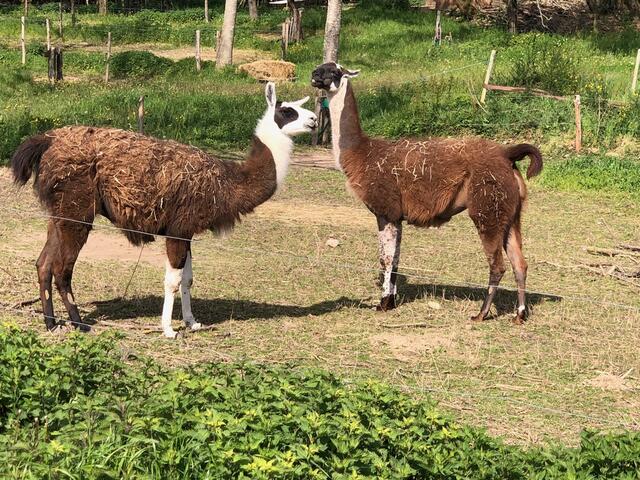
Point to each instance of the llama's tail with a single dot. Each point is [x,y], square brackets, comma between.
[26,158]
[518,152]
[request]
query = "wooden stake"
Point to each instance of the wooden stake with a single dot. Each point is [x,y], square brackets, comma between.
[73,12]
[198,66]
[206,11]
[217,40]
[141,114]
[108,59]
[634,80]
[23,44]
[26,8]
[60,22]
[437,39]
[487,77]
[285,39]
[576,102]
[48,25]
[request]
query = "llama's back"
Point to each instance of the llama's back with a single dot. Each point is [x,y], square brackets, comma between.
[427,181]
[135,181]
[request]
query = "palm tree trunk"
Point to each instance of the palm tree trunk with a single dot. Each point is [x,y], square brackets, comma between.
[332,31]
[224,55]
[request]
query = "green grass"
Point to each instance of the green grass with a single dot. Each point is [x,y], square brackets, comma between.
[77,410]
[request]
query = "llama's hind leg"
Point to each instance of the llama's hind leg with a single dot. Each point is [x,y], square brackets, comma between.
[493,250]
[71,239]
[185,294]
[45,276]
[513,247]
[390,237]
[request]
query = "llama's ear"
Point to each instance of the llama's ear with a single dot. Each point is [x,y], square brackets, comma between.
[270,94]
[350,73]
[300,102]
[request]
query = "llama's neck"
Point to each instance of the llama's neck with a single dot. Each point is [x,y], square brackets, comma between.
[346,132]
[277,142]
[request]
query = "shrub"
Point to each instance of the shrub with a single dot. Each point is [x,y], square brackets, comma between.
[77,410]
[138,64]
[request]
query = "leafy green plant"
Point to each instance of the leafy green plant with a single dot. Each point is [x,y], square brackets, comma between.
[138,64]
[76,410]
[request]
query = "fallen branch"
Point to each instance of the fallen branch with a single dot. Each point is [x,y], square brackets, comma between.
[404,325]
[612,252]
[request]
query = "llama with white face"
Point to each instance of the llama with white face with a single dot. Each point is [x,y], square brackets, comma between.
[148,186]
[427,182]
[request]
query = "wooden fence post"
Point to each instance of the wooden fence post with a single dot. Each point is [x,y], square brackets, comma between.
[60,22]
[141,114]
[217,40]
[23,45]
[26,8]
[55,64]
[108,59]
[73,12]
[198,66]
[206,11]
[437,39]
[285,39]
[576,103]
[487,77]
[48,25]
[634,80]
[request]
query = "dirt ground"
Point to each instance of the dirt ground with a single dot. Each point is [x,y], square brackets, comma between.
[276,291]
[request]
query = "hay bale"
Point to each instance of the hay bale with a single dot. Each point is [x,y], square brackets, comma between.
[270,70]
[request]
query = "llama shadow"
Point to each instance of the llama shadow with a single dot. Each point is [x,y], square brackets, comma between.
[209,311]
[505,301]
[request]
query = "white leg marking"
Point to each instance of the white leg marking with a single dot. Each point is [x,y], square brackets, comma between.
[389,237]
[521,309]
[185,295]
[172,279]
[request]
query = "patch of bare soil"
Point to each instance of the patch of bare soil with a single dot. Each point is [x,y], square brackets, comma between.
[306,213]
[608,381]
[207,54]
[406,347]
[108,247]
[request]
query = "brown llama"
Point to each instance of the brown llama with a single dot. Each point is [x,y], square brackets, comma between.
[148,186]
[425,183]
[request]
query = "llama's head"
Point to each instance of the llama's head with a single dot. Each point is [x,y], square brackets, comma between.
[289,117]
[329,76]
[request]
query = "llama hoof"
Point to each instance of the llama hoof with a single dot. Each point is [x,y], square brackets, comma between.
[387,303]
[518,320]
[83,327]
[195,326]
[171,334]
[477,318]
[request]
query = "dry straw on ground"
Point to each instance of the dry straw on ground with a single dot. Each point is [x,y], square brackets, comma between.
[270,70]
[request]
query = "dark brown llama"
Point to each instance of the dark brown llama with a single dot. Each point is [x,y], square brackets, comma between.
[142,184]
[425,183]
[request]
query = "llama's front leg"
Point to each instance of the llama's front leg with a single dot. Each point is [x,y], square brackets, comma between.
[185,295]
[389,237]
[172,280]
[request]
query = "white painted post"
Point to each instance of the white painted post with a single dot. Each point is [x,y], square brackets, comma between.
[23,44]
[108,60]
[198,66]
[48,24]
[634,80]
[487,77]
[576,103]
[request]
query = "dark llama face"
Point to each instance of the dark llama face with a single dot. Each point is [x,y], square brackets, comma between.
[329,75]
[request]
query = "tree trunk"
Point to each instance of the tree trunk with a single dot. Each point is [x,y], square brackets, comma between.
[253,9]
[26,7]
[102,7]
[512,15]
[224,55]
[332,31]
[296,21]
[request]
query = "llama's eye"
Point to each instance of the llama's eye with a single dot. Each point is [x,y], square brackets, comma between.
[288,113]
